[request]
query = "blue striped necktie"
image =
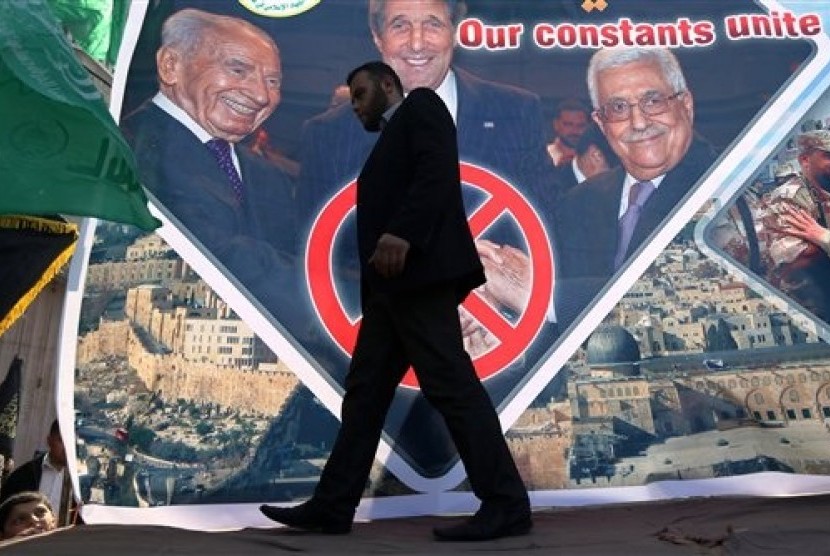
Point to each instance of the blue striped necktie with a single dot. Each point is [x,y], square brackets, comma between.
[221,151]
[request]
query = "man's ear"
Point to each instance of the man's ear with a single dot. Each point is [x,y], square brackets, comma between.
[804,162]
[689,105]
[388,85]
[167,62]
[597,120]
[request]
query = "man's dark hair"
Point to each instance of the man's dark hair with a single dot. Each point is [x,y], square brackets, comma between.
[377,70]
[594,136]
[20,498]
[571,105]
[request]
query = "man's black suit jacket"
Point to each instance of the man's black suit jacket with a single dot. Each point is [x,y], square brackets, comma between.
[587,227]
[410,187]
[499,128]
[254,240]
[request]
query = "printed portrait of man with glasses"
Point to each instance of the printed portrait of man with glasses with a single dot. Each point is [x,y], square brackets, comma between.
[644,108]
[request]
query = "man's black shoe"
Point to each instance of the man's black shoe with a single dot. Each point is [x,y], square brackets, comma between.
[490,522]
[309,517]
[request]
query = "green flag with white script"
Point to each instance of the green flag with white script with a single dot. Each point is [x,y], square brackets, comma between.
[60,150]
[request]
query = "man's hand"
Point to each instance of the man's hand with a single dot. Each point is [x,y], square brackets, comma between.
[477,339]
[508,286]
[389,256]
[797,222]
[508,275]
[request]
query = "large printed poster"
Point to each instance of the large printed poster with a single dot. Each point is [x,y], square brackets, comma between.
[684,351]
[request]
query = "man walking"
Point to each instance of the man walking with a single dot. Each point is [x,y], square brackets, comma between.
[418,261]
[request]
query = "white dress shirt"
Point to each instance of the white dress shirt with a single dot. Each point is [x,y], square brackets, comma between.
[448,91]
[184,118]
[51,483]
[629,181]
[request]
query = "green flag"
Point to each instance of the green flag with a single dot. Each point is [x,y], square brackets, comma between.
[60,150]
[95,25]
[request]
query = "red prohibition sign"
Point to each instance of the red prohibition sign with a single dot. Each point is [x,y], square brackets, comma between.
[501,198]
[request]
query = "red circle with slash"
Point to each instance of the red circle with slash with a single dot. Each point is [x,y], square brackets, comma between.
[500,198]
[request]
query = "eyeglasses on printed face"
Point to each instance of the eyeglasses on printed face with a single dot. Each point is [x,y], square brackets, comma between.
[651,104]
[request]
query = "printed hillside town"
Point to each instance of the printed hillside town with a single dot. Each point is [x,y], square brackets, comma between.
[173,390]
[692,375]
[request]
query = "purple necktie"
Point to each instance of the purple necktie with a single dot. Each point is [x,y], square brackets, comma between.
[637,196]
[221,151]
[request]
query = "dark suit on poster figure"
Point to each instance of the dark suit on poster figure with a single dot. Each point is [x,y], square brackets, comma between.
[418,261]
[587,225]
[593,155]
[499,128]
[253,239]
[645,109]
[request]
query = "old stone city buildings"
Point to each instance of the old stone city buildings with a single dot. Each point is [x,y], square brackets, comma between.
[182,340]
[688,352]
[163,362]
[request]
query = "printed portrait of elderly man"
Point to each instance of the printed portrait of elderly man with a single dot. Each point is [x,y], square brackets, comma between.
[645,109]
[219,79]
[499,126]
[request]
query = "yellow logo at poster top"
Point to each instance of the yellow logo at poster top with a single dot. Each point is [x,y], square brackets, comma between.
[591,5]
[279,8]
